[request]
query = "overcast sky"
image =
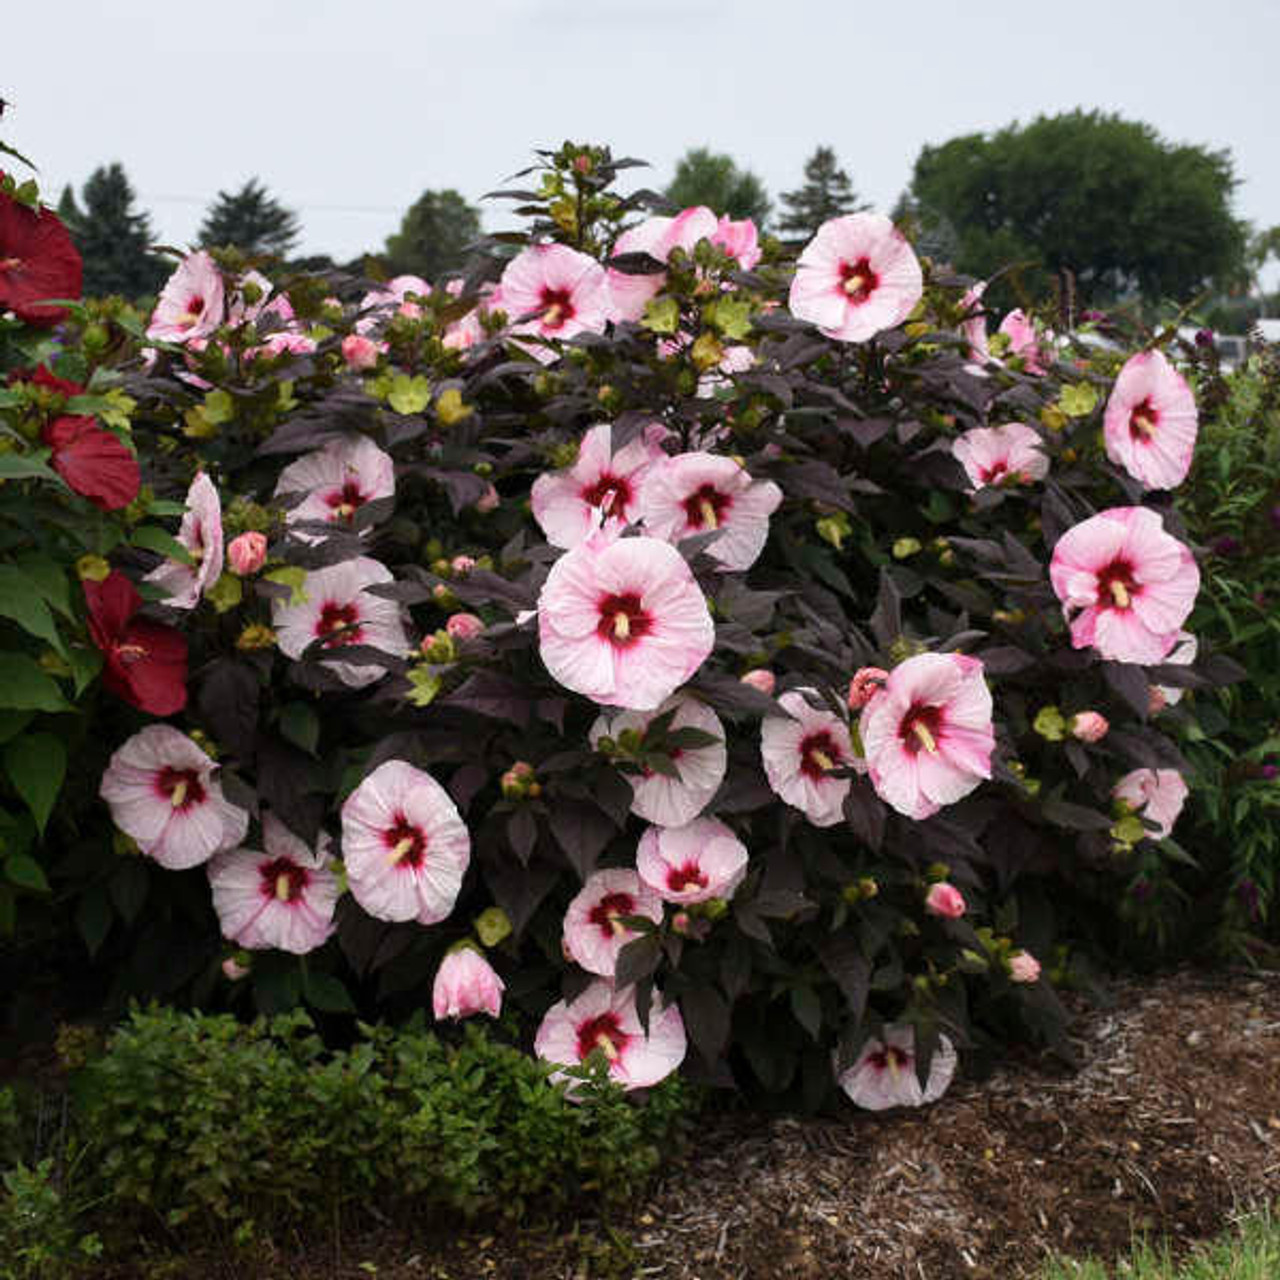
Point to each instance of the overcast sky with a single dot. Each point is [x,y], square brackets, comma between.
[347,111]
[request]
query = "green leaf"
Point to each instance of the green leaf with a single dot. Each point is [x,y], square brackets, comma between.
[153,538]
[300,724]
[25,466]
[662,315]
[1078,400]
[732,316]
[9,398]
[50,579]
[426,684]
[24,871]
[85,663]
[219,407]
[26,687]
[36,765]
[93,918]
[8,912]
[325,992]
[163,507]
[17,155]
[226,593]
[293,577]
[22,601]
[12,723]
[409,395]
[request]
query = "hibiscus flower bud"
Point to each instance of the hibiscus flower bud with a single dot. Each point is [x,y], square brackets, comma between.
[438,647]
[462,565]
[466,984]
[359,352]
[255,636]
[488,500]
[464,626]
[234,970]
[517,782]
[1156,700]
[945,900]
[1023,967]
[247,553]
[864,685]
[1089,726]
[760,678]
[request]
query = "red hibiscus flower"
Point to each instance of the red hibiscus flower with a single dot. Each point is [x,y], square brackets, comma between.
[93,462]
[146,663]
[37,261]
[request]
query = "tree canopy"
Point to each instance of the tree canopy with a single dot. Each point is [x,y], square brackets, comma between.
[252,220]
[714,179]
[1103,197]
[433,235]
[112,236]
[827,193]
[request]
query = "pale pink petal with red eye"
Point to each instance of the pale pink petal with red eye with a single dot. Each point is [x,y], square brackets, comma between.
[1183,654]
[1023,341]
[693,863]
[740,240]
[664,801]
[799,751]
[1150,424]
[338,480]
[552,291]
[593,931]
[974,328]
[201,534]
[1156,794]
[191,304]
[884,1074]
[404,845]
[1012,453]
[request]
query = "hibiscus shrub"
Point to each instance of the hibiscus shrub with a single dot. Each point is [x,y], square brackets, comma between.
[748,662]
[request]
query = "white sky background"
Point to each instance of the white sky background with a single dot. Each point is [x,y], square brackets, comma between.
[348,111]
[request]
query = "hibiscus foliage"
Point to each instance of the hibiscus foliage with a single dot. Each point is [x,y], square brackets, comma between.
[527,569]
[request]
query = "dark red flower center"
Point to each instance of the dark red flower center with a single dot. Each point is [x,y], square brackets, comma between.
[338,624]
[1116,585]
[610,493]
[689,876]
[345,501]
[858,280]
[996,472]
[180,788]
[819,753]
[557,308]
[606,914]
[407,843]
[195,306]
[920,728]
[623,620]
[1143,420]
[604,1033]
[890,1057]
[283,879]
[707,507]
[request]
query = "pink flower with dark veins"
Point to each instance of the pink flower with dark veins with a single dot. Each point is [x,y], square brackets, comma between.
[593,928]
[283,898]
[1150,424]
[856,277]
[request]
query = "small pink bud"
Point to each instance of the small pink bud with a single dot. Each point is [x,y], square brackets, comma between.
[247,553]
[488,500]
[945,900]
[1023,967]
[760,678]
[234,970]
[466,984]
[359,352]
[1089,726]
[1156,700]
[680,922]
[462,565]
[464,626]
[864,686]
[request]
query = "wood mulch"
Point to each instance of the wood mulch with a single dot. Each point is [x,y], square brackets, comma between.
[1171,1127]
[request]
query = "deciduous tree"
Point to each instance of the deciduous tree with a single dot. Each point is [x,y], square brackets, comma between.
[714,179]
[436,230]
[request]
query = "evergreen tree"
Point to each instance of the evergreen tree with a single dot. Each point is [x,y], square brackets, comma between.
[252,221]
[713,179]
[437,228]
[827,193]
[112,236]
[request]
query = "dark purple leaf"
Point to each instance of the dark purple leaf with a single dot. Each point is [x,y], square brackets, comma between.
[582,831]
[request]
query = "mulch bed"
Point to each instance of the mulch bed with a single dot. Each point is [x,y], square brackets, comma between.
[1171,1127]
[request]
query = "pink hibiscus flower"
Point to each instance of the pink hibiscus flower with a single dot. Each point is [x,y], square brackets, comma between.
[857,276]
[1150,424]
[1156,795]
[606,1019]
[1023,341]
[593,928]
[1011,454]
[740,240]
[201,534]
[600,490]
[339,611]
[466,984]
[623,622]
[404,845]
[378,306]
[885,1073]
[707,493]
[927,733]
[1129,584]
[664,801]
[551,291]
[338,480]
[800,750]
[693,863]
[283,898]
[974,328]
[162,791]
[191,303]
[1183,654]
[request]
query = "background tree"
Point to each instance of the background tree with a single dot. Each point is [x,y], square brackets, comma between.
[252,220]
[112,236]
[712,178]
[827,193]
[436,229]
[1104,197]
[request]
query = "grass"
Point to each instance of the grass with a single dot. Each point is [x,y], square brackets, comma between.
[1252,1252]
